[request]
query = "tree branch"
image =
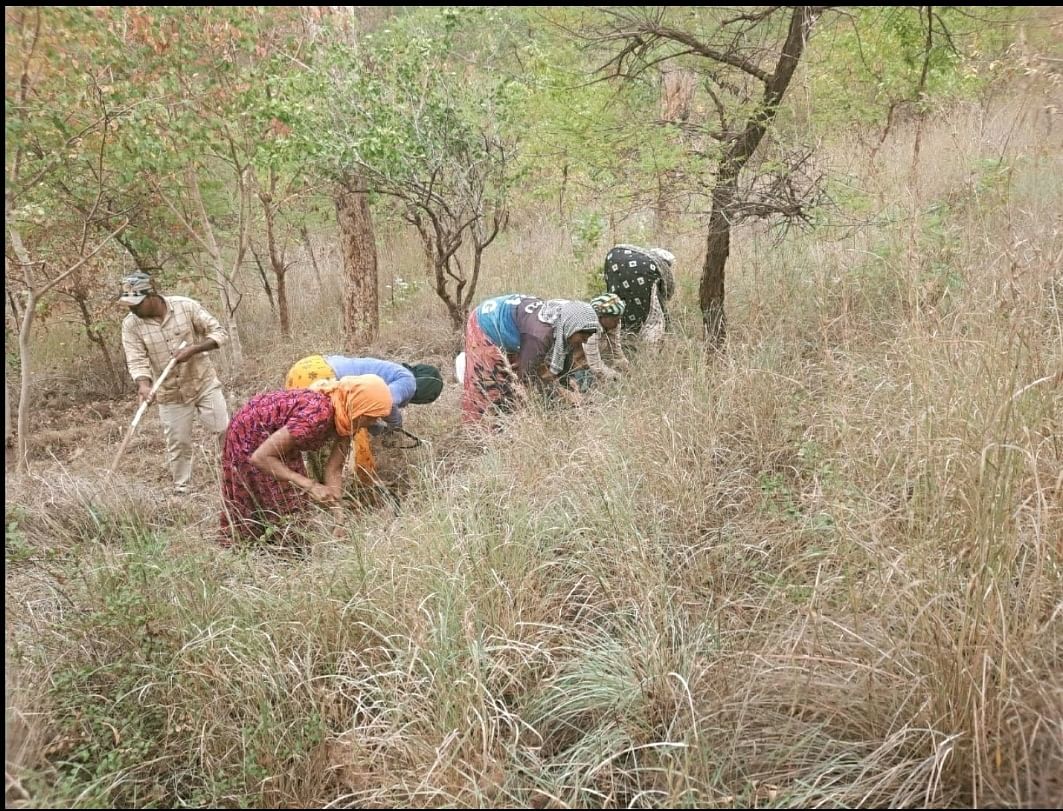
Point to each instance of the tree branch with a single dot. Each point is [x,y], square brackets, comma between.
[43,290]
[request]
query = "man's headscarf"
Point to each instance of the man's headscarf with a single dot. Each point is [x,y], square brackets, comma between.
[567,318]
[355,396]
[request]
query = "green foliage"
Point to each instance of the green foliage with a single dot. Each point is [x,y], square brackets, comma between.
[16,549]
[867,61]
[587,230]
[398,109]
[593,137]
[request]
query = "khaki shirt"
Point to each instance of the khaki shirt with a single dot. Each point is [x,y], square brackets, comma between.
[149,344]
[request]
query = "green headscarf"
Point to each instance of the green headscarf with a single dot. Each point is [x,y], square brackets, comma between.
[429,382]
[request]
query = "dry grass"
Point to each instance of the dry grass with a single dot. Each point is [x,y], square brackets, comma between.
[820,570]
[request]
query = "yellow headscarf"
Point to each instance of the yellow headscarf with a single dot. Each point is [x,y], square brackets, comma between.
[306,371]
[355,396]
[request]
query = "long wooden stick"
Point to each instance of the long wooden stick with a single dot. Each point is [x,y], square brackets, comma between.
[143,408]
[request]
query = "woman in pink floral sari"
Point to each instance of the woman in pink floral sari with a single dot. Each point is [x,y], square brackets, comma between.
[263,476]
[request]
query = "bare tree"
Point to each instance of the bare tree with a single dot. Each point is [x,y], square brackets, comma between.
[452,198]
[746,71]
[31,167]
[40,279]
[412,132]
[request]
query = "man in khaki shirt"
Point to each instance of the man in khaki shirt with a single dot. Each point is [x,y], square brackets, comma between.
[151,334]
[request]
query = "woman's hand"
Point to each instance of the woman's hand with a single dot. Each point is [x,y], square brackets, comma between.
[322,494]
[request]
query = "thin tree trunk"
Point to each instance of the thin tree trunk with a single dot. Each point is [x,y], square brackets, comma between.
[15,315]
[457,312]
[282,302]
[7,412]
[24,351]
[275,259]
[361,317]
[8,433]
[718,241]
[313,259]
[26,362]
[265,279]
[93,335]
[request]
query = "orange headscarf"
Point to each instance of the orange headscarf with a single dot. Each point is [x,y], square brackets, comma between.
[355,396]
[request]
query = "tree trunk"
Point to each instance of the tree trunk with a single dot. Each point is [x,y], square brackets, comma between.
[93,335]
[361,318]
[313,259]
[16,317]
[717,249]
[24,352]
[718,242]
[282,302]
[276,261]
[7,412]
[27,375]
[265,279]
[230,298]
[454,305]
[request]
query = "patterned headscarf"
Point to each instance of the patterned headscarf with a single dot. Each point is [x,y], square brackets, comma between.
[355,396]
[666,259]
[567,318]
[551,309]
[665,256]
[608,304]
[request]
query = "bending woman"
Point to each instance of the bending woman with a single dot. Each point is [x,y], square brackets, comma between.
[263,476]
[604,348]
[515,340]
[418,384]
